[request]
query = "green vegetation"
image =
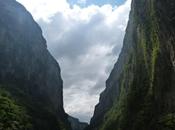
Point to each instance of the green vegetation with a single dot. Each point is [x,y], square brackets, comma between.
[12,115]
[115,117]
[143,46]
[134,109]
[15,107]
[167,121]
[62,126]
[154,41]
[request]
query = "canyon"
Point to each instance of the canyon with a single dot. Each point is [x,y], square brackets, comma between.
[139,93]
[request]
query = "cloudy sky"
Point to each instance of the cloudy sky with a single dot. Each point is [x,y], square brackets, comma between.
[85,36]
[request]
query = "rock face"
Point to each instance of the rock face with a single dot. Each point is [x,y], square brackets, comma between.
[140,92]
[76,124]
[28,70]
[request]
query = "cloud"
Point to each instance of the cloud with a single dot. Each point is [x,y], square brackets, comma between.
[44,9]
[86,42]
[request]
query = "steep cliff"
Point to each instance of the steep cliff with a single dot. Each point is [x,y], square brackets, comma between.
[140,92]
[27,70]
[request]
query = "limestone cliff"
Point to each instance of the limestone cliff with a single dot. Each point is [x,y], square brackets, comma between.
[27,69]
[140,91]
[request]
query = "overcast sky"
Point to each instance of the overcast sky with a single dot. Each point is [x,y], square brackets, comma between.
[85,36]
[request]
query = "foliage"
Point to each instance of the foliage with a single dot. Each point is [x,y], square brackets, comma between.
[114,119]
[167,121]
[12,115]
[134,109]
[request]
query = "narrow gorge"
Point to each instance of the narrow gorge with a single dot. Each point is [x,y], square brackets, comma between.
[139,93]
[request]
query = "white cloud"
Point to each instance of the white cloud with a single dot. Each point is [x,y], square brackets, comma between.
[45,8]
[86,42]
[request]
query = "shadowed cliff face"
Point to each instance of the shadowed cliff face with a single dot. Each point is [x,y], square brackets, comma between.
[27,70]
[140,91]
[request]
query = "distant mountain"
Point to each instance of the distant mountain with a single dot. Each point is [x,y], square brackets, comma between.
[76,124]
[28,73]
[140,92]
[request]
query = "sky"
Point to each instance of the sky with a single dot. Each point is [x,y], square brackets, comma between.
[85,37]
[95,2]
